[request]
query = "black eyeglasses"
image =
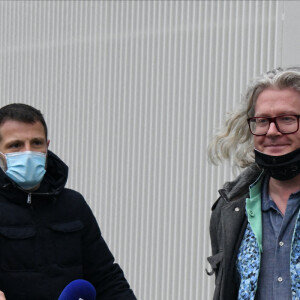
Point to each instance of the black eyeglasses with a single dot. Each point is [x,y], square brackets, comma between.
[284,124]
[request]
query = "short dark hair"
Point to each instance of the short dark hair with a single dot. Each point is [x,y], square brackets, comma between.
[23,113]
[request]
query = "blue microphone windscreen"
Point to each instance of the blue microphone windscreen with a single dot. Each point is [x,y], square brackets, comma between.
[78,289]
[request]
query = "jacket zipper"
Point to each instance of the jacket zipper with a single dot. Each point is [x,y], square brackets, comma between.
[29,198]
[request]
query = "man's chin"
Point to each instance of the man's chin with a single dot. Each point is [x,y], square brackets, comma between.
[277,150]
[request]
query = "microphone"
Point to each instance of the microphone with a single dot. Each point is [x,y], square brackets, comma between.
[78,289]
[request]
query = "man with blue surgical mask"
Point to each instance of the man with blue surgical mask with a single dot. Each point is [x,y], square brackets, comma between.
[48,234]
[23,152]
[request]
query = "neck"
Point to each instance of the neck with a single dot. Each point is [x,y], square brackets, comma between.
[280,190]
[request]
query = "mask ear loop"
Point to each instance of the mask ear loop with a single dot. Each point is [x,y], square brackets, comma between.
[3,163]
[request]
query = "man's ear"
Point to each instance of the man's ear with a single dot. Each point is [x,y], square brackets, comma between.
[48,142]
[3,164]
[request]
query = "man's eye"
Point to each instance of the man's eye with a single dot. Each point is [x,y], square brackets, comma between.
[261,121]
[16,145]
[287,119]
[38,143]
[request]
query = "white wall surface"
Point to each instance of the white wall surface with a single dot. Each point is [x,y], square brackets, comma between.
[132,92]
[290,33]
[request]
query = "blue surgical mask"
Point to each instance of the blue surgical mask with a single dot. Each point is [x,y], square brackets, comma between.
[26,169]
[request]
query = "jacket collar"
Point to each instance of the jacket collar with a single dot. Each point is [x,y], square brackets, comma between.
[240,186]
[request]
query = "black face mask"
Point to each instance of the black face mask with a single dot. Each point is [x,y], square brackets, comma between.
[281,167]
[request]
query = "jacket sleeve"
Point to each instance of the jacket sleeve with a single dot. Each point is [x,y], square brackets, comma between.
[215,226]
[215,260]
[98,263]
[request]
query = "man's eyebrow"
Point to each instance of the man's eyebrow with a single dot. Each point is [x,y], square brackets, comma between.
[38,139]
[14,141]
[284,113]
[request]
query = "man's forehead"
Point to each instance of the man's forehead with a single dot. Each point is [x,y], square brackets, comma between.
[13,129]
[285,96]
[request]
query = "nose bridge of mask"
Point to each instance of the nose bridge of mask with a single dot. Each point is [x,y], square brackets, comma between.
[16,154]
[20,159]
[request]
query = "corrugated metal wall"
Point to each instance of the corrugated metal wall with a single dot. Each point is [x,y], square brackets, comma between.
[132,92]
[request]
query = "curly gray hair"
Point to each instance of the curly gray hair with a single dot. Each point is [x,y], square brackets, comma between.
[235,140]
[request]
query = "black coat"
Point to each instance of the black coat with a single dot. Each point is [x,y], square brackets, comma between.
[227,226]
[51,237]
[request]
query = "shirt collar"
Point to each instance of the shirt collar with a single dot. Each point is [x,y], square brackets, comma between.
[267,201]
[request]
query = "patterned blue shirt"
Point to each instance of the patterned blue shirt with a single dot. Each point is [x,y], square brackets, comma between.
[274,281]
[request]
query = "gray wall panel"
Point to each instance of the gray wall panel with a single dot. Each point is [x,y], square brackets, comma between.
[133,92]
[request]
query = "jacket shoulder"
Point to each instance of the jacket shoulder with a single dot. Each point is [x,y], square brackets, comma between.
[66,192]
[73,200]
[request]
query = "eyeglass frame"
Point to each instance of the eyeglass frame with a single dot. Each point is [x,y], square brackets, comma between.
[273,120]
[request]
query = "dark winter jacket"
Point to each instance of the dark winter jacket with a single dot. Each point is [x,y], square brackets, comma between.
[49,238]
[227,226]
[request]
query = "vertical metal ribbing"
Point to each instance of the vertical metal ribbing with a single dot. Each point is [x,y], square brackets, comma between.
[133,92]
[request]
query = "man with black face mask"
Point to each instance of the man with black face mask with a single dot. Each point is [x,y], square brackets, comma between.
[48,234]
[255,223]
